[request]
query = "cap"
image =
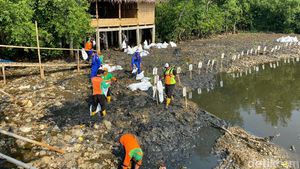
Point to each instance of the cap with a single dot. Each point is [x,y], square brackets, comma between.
[137,154]
[167,65]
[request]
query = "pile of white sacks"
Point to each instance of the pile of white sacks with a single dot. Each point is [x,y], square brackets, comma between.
[144,83]
[287,39]
[143,49]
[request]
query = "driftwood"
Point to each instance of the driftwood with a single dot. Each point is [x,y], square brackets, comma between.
[16,162]
[32,141]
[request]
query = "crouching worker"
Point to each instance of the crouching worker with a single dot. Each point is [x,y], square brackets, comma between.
[99,86]
[133,152]
[136,62]
[108,78]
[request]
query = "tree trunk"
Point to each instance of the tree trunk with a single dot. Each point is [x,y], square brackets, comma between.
[71,47]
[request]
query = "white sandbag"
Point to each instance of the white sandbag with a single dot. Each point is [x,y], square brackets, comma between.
[111,68]
[160,91]
[97,110]
[84,54]
[130,51]
[159,45]
[124,44]
[146,46]
[143,86]
[173,45]
[134,70]
[152,45]
[165,45]
[144,53]
[287,39]
[140,76]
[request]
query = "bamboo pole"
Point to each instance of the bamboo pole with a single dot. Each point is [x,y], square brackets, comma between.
[41,48]
[38,48]
[97,28]
[32,141]
[78,64]
[16,162]
[3,72]
[16,64]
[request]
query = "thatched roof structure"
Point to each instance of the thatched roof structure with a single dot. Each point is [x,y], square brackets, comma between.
[125,1]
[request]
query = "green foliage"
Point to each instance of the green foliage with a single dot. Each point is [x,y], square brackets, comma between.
[60,23]
[179,19]
[15,23]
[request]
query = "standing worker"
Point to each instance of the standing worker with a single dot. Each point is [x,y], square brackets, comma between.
[108,78]
[133,151]
[136,61]
[170,81]
[96,63]
[88,47]
[99,85]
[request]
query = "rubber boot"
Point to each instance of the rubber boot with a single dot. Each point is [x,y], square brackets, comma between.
[108,98]
[93,113]
[103,113]
[168,102]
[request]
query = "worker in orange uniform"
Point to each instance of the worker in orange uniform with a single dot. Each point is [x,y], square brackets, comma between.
[170,81]
[99,86]
[109,78]
[133,151]
[88,47]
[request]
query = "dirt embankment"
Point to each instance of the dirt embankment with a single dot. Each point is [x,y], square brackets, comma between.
[242,150]
[56,110]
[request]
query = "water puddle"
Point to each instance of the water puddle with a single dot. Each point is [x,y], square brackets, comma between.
[265,102]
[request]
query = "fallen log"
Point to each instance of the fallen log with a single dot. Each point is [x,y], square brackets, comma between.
[32,141]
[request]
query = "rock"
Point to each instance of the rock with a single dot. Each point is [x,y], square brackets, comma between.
[26,103]
[67,138]
[77,132]
[43,153]
[25,129]
[24,87]
[107,124]
[46,159]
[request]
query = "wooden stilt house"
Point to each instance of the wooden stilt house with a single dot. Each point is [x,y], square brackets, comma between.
[118,20]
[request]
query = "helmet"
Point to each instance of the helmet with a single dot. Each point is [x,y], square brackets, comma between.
[167,65]
[105,69]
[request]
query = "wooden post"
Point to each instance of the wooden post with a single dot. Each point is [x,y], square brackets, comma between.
[112,37]
[106,40]
[120,14]
[120,38]
[43,72]
[3,72]
[191,69]
[77,58]
[199,67]
[184,95]
[138,36]
[97,28]
[38,48]
[153,34]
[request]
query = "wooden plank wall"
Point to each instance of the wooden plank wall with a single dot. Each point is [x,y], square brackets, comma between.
[146,13]
[146,16]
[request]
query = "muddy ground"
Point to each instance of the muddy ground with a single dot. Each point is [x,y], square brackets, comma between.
[55,110]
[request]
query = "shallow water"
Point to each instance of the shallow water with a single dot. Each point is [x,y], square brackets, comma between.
[265,103]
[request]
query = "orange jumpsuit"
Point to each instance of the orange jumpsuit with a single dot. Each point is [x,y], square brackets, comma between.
[129,142]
